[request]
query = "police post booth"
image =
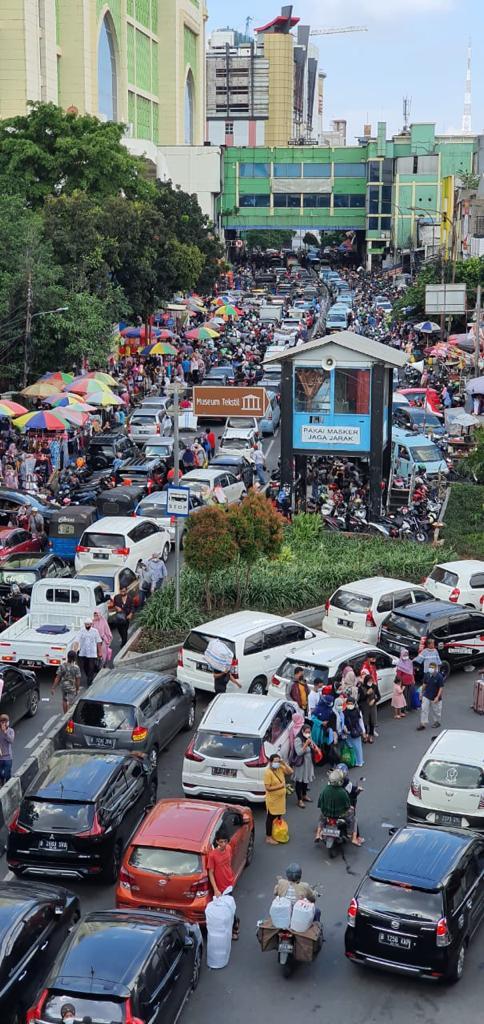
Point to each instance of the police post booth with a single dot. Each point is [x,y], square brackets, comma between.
[336,399]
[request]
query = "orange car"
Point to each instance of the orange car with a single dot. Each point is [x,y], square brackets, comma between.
[165,864]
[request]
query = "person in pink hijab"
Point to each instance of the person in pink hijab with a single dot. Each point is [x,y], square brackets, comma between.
[99,622]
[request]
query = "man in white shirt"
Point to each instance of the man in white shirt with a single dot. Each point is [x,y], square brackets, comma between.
[89,646]
[259,463]
[314,695]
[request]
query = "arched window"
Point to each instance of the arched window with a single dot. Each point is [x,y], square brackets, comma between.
[189,109]
[106,71]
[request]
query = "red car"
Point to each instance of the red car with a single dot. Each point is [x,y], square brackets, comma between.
[15,541]
[423,398]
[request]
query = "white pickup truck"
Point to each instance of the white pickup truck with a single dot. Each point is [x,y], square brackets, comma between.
[58,608]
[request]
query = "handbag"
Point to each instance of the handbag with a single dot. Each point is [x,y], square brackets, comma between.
[280,830]
[296,760]
[347,755]
[318,755]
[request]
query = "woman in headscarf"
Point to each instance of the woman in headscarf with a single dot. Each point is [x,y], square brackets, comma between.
[405,676]
[99,623]
[302,758]
[349,684]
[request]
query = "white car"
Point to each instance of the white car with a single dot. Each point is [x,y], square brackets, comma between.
[258,641]
[145,422]
[461,582]
[229,751]
[324,658]
[448,786]
[237,441]
[202,483]
[121,540]
[357,610]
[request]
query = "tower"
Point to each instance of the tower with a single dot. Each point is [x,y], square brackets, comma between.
[466,117]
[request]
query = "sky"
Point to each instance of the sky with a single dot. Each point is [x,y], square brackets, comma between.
[414,48]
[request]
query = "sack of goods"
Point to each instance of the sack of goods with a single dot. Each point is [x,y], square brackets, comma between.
[280,830]
[218,656]
[280,912]
[302,916]
[219,917]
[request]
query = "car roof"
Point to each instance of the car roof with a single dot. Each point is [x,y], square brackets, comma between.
[35,559]
[420,857]
[242,432]
[462,744]
[329,649]
[185,824]
[238,623]
[460,565]
[111,524]
[247,711]
[377,584]
[412,440]
[75,775]
[429,610]
[120,686]
[6,530]
[201,474]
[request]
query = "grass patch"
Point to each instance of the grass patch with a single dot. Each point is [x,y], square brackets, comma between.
[464,520]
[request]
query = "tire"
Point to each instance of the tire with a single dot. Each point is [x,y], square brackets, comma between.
[111,871]
[456,972]
[166,551]
[33,704]
[250,849]
[153,757]
[197,967]
[259,686]
[288,967]
[190,722]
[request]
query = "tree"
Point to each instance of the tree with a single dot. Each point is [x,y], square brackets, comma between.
[209,545]
[83,331]
[310,239]
[258,532]
[184,220]
[268,239]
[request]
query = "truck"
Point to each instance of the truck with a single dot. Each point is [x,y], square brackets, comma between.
[58,609]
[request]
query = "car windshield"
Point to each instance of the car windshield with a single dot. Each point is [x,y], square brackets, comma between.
[166,862]
[101,715]
[409,627]
[453,774]
[426,453]
[311,672]
[102,540]
[348,601]
[155,450]
[88,1008]
[402,901]
[16,576]
[445,576]
[425,418]
[148,417]
[46,816]
[227,745]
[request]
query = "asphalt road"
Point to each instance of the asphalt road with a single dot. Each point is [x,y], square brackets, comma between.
[331,988]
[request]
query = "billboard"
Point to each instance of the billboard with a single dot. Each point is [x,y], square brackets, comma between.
[222,402]
[445,298]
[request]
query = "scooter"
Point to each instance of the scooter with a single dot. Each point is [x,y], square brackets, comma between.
[334,833]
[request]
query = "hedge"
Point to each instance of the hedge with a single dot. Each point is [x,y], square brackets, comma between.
[464,520]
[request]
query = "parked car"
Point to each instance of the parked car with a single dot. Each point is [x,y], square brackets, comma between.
[104,448]
[457,631]
[121,541]
[143,423]
[161,447]
[148,470]
[155,507]
[461,582]
[35,918]
[112,579]
[12,502]
[121,966]
[203,481]
[269,422]
[240,466]
[25,569]
[325,657]
[131,710]
[172,846]
[258,641]
[410,418]
[236,440]
[219,376]
[76,817]
[229,751]
[420,903]
[423,398]
[20,695]
[14,541]
[448,785]
[358,609]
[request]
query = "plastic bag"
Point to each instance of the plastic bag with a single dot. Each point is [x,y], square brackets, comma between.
[219,916]
[347,755]
[280,912]
[218,656]
[280,830]
[318,755]
[302,916]
[415,701]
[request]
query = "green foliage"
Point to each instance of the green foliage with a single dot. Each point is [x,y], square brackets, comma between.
[473,465]
[310,239]
[209,545]
[464,520]
[268,239]
[256,528]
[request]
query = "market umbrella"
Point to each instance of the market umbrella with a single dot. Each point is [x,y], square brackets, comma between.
[195,306]
[72,415]
[228,310]
[464,419]
[58,376]
[139,332]
[104,398]
[41,389]
[159,348]
[220,300]
[62,399]
[85,385]
[475,386]
[8,408]
[201,334]
[77,405]
[102,377]
[427,327]
[215,324]
[43,419]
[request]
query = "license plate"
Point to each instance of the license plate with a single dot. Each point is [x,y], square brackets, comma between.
[346,622]
[52,844]
[400,941]
[448,819]
[329,831]
[99,555]
[230,773]
[286,947]
[201,666]
[99,741]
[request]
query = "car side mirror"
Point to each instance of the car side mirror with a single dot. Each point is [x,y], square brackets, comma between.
[308,635]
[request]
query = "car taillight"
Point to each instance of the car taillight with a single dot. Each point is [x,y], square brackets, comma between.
[14,825]
[199,889]
[70,726]
[442,935]
[124,878]
[416,789]
[327,605]
[258,762]
[172,520]
[81,548]
[96,829]
[481,601]
[454,595]
[352,912]
[481,803]
[190,753]
[369,619]
[139,734]
[158,431]
[35,1011]
[180,657]
[275,681]
[129,1019]
[121,551]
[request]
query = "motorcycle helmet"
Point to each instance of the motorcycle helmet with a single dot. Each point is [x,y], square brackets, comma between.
[294,873]
[336,777]
[343,768]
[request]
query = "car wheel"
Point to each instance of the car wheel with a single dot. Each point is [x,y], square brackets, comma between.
[197,966]
[250,849]
[111,871]
[455,974]
[153,758]
[33,704]
[258,686]
[166,552]
[190,722]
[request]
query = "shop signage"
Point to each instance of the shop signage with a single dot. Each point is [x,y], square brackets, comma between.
[319,434]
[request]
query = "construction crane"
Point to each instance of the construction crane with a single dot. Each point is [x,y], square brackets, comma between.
[337,31]
[248,21]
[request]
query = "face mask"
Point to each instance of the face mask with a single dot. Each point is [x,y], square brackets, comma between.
[276,764]
[432,670]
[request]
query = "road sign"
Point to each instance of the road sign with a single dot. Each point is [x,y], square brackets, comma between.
[178,501]
[445,298]
[222,402]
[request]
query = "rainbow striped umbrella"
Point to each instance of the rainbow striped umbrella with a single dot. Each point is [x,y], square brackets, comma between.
[43,419]
[57,377]
[159,348]
[86,386]
[10,409]
[201,334]
[62,399]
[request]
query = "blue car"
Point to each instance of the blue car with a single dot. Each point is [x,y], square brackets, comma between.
[269,423]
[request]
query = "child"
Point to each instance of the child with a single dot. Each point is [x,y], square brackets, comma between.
[398,700]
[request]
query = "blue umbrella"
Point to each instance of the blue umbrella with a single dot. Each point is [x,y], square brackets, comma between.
[427,327]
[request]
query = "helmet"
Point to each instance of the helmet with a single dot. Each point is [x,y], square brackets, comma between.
[336,777]
[294,873]
[343,768]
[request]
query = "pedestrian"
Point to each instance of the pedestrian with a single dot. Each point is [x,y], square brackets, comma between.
[68,1012]
[275,792]
[314,695]
[89,646]
[259,463]
[302,760]
[124,608]
[102,626]
[68,676]
[145,583]
[398,699]
[299,691]
[220,871]
[427,653]
[355,729]
[369,695]
[432,690]
[17,603]
[157,570]
[369,667]
[7,736]
[212,441]
[405,675]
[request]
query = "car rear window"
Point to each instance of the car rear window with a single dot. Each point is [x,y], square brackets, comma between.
[101,715]
[409,627]
[441,575]
[228,745]
[311,672]
[199,642]
[236,443]
[166,862]
[348,601]
[44,816]
[385,898]
[88,1008]
[102,540]
[148,417]
[453,774]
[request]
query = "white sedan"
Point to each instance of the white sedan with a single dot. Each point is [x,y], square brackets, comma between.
[207,483]
[121,540]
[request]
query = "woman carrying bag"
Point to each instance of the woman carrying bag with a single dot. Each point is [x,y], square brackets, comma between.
[275,787]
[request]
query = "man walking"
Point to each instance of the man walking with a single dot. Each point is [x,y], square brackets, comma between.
[89,646]
[212,441]
[7,736]
[157,570]
[433,686]
[68,675]
[259,463]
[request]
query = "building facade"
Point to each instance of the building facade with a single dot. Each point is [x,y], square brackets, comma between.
[136,61]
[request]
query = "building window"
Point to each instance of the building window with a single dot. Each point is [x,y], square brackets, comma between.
[348,200]
[386,199]
[287,199]
[349,170]
[372,223]
[386,223]
[189,111]
[287,170]
[374,167]
[229,127]
[352,392]
[107,71]
[316,199]
[316,170]
[373,198]
[253,170]
[254,201]
[311,389]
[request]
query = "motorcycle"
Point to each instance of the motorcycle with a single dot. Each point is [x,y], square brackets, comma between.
[285,942]
[334,833]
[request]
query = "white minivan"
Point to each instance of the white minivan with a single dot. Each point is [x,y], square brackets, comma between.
[358,609]
[448,786]
[461,582]
[326,658]
[258,641]
[229,751]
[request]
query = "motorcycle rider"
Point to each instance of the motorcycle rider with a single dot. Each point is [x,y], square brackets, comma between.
[334,802]
[294,889]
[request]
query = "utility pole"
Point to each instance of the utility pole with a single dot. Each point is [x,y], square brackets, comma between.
[477,350]
[176,467]
[28,329]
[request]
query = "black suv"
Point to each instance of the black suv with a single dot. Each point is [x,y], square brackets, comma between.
[34,921]
[20,695]
[76,818]
[148,470]
[26,568]
[457,631]
[106,447]
[122,965]
[419,904]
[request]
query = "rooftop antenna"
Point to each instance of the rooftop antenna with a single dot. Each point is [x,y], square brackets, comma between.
[407,106]
[466,117]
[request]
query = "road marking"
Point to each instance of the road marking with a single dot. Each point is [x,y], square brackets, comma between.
[47,724]
[268,449]
[8,877]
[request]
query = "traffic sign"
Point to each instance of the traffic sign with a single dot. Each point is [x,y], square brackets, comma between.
[222,402]
[178,501]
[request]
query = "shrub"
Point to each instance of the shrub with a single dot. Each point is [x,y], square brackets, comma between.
[464,520]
